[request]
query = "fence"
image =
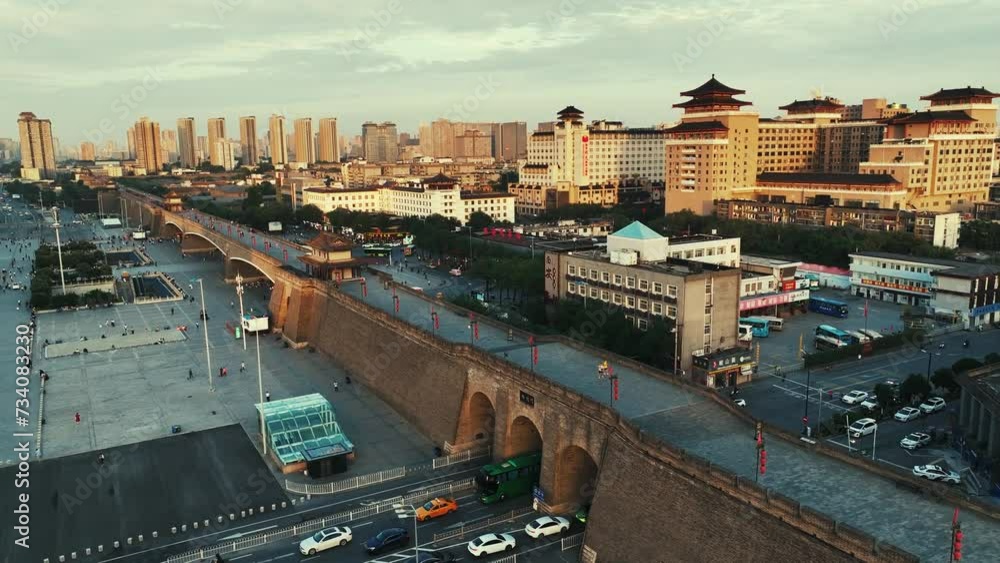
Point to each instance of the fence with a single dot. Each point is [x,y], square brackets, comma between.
[460,457]
[346,484]
[571,542]
[459,533]
[319,523]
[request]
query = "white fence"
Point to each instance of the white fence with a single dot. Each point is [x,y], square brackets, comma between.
[347,484]
[344,517]
[571,542]
[482,524]
[460,457]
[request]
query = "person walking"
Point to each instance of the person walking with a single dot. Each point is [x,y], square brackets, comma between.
[336,387]
[77,417]
[267,397]
[243,367]
[190,374]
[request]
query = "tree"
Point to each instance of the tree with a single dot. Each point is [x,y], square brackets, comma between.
[309,214]
[255,198]
[944,378]
[479,221]
[885,394]
[992,358]
[965,364]
[915,386]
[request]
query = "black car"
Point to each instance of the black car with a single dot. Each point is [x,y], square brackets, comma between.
[387,539]
[436,557]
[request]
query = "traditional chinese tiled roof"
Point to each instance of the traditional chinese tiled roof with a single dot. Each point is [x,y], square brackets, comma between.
[329,242]
[697,127]
[713,86]
[959,93]
[812,106]
[440,178]
[826,178]
[930,117]
[570,111]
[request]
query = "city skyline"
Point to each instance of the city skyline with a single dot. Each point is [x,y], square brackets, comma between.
[476,66]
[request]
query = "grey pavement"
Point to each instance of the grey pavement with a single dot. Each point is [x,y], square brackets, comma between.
[685,419]
[246,235]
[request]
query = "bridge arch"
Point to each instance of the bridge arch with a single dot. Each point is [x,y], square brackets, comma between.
[477,421]
[206,239]
[172,230]
[523,437]
[263,272]
[576,476]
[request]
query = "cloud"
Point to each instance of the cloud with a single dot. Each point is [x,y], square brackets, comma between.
[194,25]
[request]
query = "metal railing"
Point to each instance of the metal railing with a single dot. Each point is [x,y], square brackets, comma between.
[346,484]
[460,457]
[460,532]
[571,542]
[344,517]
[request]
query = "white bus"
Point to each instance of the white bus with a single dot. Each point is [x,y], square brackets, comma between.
[745,333]
[774,323]
[823,342]
[862,337]
[872,334]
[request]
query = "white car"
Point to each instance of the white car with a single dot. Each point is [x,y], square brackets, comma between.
[914,440]
[862,427]
[871,403]
[854,397]
[936,473]
[546,526]
[932,404]
[491,543]
[907,414]
[325,539]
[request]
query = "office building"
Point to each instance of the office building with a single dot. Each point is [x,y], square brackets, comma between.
[873,109]
[186,143]
[277,140]
[473,144]
[216,133]
[148,155]
[248,140]
[304,141]
[943,156]
[380,141]
[88,151]
[634,273]
[329,140]
[510,141]
[37,150]
[223,154]
[168,141]
[130,140]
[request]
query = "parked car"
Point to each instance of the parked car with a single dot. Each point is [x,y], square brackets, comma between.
[937,473]
[325,539]
[915,440]
[546,526]
[871,403]
[387,539]
[862,427]
[436,507]
[907,414]
[932,404]
[491,543]
[854,397]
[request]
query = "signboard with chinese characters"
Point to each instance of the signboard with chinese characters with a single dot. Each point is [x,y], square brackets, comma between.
[774,299]
[891,285]
[585,155]
[552,277]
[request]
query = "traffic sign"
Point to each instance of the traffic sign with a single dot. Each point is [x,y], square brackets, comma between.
[538,493]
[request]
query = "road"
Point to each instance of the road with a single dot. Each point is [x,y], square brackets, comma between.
[274,246]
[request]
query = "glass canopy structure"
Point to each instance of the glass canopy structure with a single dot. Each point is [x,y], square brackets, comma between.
[303,424]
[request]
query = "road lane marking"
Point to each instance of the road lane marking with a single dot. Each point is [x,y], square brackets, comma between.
[240,557]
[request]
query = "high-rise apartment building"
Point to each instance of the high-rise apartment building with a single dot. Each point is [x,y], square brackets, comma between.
[147,145]
[329,140]
[510,141]
[942,156]
[277,141]
[186,142]
[168,141]
[304,141]
[130,139]
[248,140]
[38,157]
[222,152]
[380,142]
[88,151]
[873,109]
[216,133]
[473,144]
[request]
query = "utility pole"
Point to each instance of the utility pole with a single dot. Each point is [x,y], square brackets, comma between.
[62,275]
[239,292]
[805,414]
[260,388]
[204,324]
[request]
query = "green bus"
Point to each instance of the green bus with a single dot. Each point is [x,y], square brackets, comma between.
[512,478]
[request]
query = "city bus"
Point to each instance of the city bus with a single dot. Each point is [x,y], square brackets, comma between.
[758,326]
[873,334]
[859,336]
[512,478]
[828,306]
[839,335]
[774,323]
[823,342]
[745,333]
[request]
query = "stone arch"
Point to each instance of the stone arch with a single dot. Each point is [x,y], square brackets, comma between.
[478,420]
[576,477]
[206,239]
[523,437]
[262,271]
[171,230]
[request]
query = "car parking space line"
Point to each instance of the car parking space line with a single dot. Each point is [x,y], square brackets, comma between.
[240,557]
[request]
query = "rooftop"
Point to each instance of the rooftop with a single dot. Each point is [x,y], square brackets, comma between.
[329,242]
[826,178]
[958,93]
[700,237]
[768,262]
[637,231]
[713,86]
[670,266]
[697,127]
[812,106]
[931,116]
[951,268]
[297,424]
[480,195]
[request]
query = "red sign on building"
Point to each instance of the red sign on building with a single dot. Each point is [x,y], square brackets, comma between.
[585,154]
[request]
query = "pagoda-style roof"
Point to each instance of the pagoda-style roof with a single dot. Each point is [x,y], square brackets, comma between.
[713,100]
[960,93]
[713,86]
[697,127]
[570,112]
[440,178]
[816,105]
[330,242]
[931,116]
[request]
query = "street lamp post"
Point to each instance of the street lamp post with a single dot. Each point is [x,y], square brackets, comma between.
[204,324]
[239,292]
[930,356]
[260,389]
[405,512]
[62,275]
[805,414]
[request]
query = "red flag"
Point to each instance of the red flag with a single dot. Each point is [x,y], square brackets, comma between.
[866,308]
[364,289]
[531,340]
[486,231]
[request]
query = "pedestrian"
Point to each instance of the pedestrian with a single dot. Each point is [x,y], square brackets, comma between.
[243,367]
[222,372]
[267,397]
[225,372]
[100,459]
[190,374]
[336,387]
[171,311]
[77,417]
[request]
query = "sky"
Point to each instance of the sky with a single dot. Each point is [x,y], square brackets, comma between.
[94,66]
